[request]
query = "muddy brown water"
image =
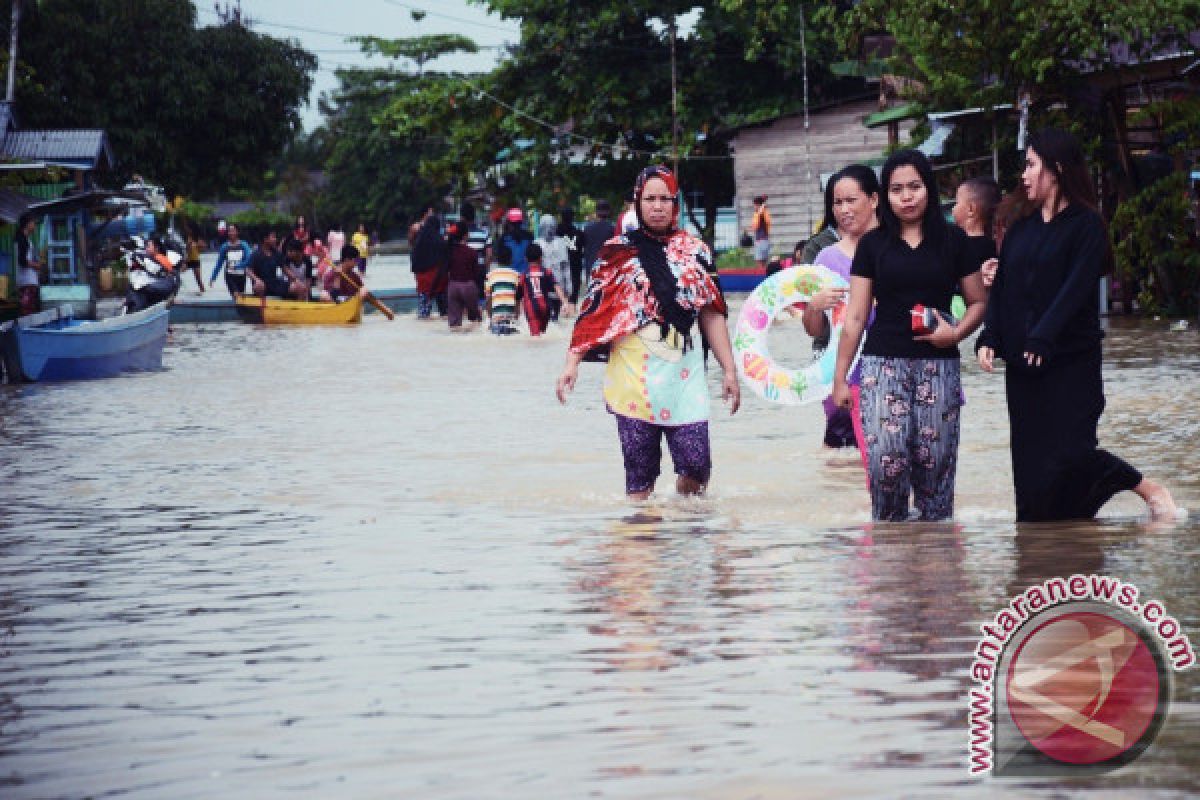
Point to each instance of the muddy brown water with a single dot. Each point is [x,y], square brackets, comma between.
[382,561]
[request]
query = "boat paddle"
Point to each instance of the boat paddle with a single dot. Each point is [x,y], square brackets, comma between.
[372,299]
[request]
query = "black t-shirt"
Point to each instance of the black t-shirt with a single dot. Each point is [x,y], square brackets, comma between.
[266,266]
[903,277]
[981,248]
[575,245]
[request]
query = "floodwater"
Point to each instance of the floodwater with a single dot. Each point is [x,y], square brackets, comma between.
[382,561]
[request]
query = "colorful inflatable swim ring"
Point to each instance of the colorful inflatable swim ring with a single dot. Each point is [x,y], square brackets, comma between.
[767,379]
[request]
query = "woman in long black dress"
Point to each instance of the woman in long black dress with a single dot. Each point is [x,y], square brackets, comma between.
[1043,320]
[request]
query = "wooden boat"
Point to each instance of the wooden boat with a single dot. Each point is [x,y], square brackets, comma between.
[54,346]
[219,307]
[273,311]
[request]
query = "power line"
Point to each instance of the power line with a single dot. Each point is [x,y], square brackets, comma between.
[252,20]
[411,7]
[587,140]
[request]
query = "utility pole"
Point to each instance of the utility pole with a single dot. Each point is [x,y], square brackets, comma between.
[11,88]
[674,103]
[807,136]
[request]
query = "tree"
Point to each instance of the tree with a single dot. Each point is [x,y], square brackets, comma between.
[400,139]
[985,53]
[372,175]
[596,84]
[199,110]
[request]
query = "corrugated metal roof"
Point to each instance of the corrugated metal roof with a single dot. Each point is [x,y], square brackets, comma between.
[14,204]
[83,148]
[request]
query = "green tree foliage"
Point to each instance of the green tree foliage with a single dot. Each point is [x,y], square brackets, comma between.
[197,109]
[981,53]
[400,139]
[1157,248]
[600,75]
[372,175]
[1155,233]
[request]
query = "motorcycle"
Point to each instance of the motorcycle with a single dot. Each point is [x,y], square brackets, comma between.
[150,281]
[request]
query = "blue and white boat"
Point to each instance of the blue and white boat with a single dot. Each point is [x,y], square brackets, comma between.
[54,346]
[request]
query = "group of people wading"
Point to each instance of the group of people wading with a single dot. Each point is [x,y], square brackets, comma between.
[653,286]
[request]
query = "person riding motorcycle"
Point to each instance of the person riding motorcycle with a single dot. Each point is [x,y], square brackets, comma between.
[153,277]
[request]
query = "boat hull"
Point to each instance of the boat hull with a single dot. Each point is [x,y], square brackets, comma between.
[292,312]
[53,346]
[212,308]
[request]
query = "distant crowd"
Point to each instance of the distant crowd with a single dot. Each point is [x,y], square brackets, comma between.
[465,271]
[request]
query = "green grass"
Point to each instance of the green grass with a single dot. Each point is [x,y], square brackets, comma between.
[735,258]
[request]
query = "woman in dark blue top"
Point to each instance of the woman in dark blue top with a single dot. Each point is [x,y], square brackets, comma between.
[911,391]
[1043,320]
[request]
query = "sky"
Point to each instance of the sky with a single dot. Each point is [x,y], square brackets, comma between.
[322,26]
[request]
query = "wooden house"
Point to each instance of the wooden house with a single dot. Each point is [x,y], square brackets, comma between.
[789,164]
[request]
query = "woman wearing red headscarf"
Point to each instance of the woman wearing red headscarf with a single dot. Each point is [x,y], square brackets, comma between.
[649,287]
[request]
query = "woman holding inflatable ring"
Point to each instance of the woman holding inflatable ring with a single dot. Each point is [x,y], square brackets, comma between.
[854,207]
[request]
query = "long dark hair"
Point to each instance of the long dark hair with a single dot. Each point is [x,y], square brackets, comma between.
[1061,154]
[933,224]
[830,221]
[863,175]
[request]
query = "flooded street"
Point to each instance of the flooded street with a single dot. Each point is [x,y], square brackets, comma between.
[382,561]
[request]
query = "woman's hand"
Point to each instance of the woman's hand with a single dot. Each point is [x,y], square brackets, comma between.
[841,393]
[731,391]
[944,335]
[566,382]
[828,298]
[987,271]
[986,356]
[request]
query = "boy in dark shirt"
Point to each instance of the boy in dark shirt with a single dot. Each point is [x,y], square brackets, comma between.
[974,210]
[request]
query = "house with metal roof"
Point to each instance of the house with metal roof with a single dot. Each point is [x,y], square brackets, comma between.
[81,150]
[65,212]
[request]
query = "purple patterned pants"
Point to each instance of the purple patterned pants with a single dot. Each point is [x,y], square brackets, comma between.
[910,412]
[641,446]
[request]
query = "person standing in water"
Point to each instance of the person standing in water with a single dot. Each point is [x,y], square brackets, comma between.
[1043,320]
[911,390]
[855,204]
[650,288]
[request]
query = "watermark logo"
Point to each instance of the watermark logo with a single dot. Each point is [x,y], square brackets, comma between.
[1074,675]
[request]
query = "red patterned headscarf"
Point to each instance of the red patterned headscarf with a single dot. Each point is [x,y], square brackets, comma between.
[666,176]
[646,277]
